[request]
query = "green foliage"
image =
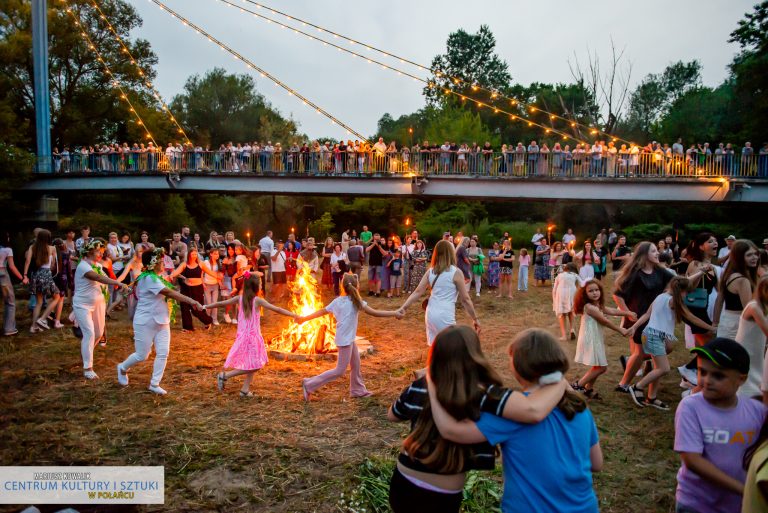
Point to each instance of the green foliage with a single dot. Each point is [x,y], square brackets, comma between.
[322,228]
[458,125]
[649,231]
[472,59]
[657,94]
[85,107]
[750,73]
[482,490]
[697,115]
[220,107]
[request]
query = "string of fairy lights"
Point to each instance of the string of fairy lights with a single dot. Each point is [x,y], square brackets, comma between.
[141,73]
[480,104]
[456,80]
[291,92]
[114,81]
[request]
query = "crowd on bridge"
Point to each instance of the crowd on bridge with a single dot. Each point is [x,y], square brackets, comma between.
[600,159]
[716,285]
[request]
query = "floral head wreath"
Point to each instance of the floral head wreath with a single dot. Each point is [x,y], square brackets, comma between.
[90,246]
[157,254]
[247,275]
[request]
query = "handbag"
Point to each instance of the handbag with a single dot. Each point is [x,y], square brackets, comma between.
[697,299]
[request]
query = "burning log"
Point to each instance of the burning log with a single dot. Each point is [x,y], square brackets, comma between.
[319,346]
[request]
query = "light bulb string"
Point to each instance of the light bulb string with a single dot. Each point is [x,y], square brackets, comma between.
[464,97]
[264,73]
[135,62]
[437,73]
[115,83]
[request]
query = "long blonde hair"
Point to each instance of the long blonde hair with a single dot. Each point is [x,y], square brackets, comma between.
[443,256]
[349,284]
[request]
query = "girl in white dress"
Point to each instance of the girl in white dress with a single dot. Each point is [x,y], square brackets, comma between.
[753,327]
[563,291]
[590,348]
[447,284]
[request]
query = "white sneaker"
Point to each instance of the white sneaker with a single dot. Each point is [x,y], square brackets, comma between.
[58,325]
[122,377]
[685,384]
[89,374]
[234,321]
[215,322]
[157,390]
[477,294]
[227,319]
[689,374]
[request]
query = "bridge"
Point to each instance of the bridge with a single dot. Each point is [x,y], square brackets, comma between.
[494,176]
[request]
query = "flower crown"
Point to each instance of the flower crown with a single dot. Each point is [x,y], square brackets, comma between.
[90,246]
[157,254]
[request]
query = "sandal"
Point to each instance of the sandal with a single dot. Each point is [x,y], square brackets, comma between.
[221,379]
[657,403]
[246,394]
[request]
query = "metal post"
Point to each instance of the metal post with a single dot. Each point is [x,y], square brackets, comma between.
[42,95]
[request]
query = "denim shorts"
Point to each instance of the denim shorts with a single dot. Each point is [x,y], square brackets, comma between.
[374,272]
[654,343]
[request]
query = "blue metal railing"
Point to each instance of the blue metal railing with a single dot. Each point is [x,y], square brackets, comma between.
[424,162]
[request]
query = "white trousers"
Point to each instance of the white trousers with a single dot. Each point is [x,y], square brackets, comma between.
[90,319]
[144,337]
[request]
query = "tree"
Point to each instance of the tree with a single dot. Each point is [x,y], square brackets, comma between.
[605,86]
[220,107]
[750,73]
[470,59]
[655,95]
[696,116]
[85,107]
[456,124]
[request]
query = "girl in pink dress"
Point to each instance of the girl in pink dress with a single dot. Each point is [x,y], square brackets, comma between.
[249,353]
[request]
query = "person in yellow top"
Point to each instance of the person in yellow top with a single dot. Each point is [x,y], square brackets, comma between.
[755,498]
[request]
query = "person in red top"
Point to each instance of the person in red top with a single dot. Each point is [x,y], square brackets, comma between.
[291,258]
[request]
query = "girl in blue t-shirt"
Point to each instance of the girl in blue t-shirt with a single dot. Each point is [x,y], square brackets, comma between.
[537,458]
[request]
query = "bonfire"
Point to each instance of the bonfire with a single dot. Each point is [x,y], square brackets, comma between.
[311,337]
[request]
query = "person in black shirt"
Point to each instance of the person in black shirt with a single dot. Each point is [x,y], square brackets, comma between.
[640,281]
[621,254]
[458,369]
[376,250]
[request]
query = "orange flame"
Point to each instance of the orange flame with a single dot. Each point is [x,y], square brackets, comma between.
[311,337]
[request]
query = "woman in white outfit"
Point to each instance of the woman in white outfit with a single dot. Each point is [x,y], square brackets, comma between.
[151,321]
[88,303]
[447,284]
[752,331]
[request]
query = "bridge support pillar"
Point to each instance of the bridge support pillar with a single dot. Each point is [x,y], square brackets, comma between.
[42,94]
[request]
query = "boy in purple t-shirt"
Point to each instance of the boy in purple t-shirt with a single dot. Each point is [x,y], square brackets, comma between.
[713,429]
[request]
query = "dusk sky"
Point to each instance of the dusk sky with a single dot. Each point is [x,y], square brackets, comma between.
[537,39]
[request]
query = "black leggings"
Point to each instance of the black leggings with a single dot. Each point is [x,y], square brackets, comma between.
[406,497]
[196,293]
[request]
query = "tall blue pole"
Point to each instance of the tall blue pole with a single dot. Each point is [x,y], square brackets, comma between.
[42,94]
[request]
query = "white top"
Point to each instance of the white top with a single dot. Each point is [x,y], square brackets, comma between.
[568,238]
[752,338]
[267,246]
[346,316]
[4,254]
[536,237]
[278,265]
[114,252]
[724,252]
[241,261]
[441,309]
[214,268]
[151,305]
[662,316]
[87,291]
[335,259]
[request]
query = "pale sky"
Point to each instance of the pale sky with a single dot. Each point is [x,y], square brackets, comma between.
[536,39]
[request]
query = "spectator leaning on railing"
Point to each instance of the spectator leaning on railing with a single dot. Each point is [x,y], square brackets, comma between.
[596,159]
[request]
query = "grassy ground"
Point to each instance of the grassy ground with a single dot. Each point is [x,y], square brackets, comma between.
[273,452]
